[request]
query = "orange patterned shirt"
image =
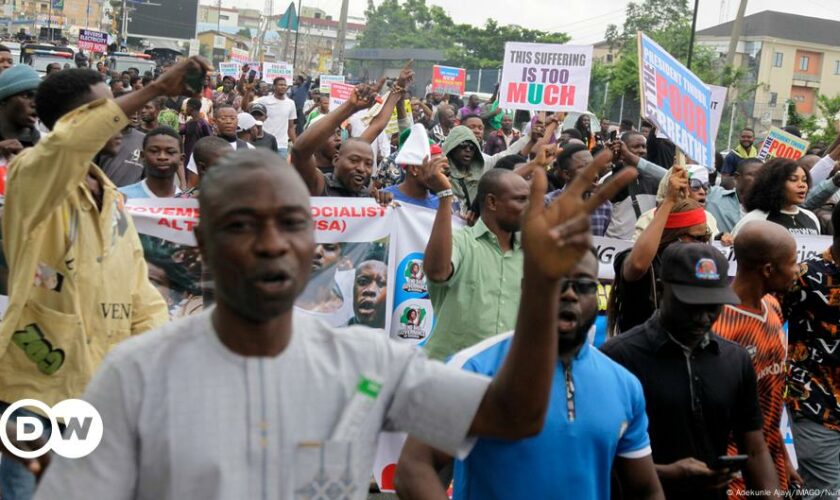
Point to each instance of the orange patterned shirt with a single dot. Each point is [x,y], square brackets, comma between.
[762,335]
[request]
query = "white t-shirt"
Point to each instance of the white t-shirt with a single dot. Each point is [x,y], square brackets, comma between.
[185,417]
[279,112]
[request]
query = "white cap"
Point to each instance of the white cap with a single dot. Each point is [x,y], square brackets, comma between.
[245,122]
[415,148]
[698,172]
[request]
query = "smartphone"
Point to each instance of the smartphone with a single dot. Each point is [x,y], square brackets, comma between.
[731,462]
[613,134]
[252,75]
[195,80]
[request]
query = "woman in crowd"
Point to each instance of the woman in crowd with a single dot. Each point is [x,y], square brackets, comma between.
[779,189]
[698,188]
[636,290]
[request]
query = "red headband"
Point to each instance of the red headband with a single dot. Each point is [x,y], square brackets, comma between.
[678,220]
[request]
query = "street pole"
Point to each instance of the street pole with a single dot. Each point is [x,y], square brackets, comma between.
[219,16]
[693,29]
[87,15]
[338,50]
[297,33]
[731,124]
[49,21]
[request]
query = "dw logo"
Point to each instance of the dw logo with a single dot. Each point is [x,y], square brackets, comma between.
[83,428]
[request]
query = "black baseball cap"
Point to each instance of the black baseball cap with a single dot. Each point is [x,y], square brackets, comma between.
[697,274]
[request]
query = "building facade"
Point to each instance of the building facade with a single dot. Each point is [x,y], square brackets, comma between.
[792,58]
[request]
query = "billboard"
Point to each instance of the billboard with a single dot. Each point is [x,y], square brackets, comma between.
[163,18]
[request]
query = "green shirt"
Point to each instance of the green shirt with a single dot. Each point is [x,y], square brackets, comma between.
[481,298]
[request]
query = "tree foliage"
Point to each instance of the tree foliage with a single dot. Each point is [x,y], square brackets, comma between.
[822,129]
[413,24]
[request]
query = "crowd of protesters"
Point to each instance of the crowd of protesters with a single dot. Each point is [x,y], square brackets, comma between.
[248,400]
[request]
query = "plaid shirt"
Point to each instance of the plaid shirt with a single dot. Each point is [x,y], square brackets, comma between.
[600,218]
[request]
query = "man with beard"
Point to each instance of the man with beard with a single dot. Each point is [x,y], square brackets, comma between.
[597,409]
[370,290]
[353,163]
[162,158]
[744,150]
[149,115]
[700,390]
[17,109]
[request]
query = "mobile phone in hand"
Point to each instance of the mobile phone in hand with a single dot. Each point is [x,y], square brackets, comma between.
[730,462]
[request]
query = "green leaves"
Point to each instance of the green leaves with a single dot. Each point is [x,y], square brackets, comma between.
[413,24]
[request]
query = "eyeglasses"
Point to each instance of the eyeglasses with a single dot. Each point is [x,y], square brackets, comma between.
[704,238]
[581,286]
[696,184]
[464,145]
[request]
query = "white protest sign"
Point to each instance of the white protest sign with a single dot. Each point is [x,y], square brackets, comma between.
[272,70]
[327,80]
[545,77]
[230,69]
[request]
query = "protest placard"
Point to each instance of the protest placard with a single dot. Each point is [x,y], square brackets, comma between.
[676,101]
[327,80]
[545,77]
[239,55]
[449,80]
[93,41]
[780,144]
[339,92]
[718,103]
[272,70]
[230,69]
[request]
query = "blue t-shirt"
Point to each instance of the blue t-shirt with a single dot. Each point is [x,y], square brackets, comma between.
[140,190]
[431,200]
[136,190]
[567,459]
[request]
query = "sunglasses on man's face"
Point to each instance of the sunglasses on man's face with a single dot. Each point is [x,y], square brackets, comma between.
[464,145]
[696,238]
[581,286]
[696,184]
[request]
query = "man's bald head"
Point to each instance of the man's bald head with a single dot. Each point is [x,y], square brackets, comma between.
[230,174]
[761,242]
[494,181]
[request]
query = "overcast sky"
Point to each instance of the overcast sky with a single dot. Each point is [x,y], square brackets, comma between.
[585,20]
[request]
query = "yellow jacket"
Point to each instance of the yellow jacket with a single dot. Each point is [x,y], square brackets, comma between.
[78,283]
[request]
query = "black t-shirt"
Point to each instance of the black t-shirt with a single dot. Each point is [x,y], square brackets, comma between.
[693,401]
[799,223]
[333,187]
[267,141]
[635,300]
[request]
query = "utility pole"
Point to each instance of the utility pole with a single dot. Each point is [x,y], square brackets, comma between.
[693,29]
[338,50]
[737,27]
[219,16]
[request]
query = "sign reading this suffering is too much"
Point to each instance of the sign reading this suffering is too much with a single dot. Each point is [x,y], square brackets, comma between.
[676,101]
[545,77]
